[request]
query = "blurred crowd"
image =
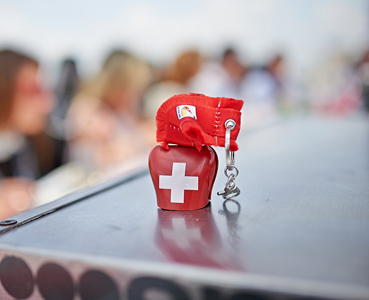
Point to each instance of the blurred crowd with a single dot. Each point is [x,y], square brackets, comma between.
[83,131]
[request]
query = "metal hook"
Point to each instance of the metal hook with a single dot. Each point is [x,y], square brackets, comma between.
[229,125]
[230,190]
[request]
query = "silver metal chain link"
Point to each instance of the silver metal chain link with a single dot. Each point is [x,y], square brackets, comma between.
[231,172]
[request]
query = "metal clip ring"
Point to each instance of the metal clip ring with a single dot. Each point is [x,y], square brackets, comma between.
[231,168]
[230,125]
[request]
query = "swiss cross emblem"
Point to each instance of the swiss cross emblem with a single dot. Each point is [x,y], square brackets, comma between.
[183,177]
[177,183]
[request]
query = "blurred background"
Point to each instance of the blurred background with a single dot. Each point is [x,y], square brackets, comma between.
[80,81]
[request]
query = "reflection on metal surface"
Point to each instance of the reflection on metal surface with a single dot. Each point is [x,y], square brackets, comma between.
[232,221]
[191,237]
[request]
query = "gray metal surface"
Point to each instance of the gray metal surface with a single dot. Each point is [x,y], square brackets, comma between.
[301,227]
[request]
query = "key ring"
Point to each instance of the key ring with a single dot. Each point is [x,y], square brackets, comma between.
[229,125]
[231,172]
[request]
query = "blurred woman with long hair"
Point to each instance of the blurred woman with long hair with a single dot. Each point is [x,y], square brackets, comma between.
[24,153]
[106,129]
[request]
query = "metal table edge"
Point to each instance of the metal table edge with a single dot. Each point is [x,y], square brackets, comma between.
[199,275]
[68,200]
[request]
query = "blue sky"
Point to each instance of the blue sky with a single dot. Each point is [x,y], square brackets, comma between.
[306,31]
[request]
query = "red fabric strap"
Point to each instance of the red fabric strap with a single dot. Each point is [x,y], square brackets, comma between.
[197,120]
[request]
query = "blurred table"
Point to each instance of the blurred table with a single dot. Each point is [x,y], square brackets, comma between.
[299,229]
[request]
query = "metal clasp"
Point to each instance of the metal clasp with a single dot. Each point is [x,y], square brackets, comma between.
[231,172]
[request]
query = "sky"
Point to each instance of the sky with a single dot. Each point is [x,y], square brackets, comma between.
[305,31]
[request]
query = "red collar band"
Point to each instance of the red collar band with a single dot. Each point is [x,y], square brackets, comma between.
[197,120]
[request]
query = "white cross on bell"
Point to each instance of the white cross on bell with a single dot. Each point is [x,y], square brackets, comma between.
[178,182]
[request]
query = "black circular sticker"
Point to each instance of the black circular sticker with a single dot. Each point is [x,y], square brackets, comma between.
[16,277]
[96,285]
[55,283]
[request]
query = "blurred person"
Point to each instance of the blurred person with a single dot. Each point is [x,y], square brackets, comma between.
[272,84]
[65,91]
[259,87]
[220,79]
[174,81]
[334,86]
[26,153]
[106,128]
[362,70]
[269,90]
[288,93]
[232,64]
[263,85]
[258,90]
[276,68]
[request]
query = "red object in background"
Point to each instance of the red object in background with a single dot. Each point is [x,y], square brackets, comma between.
[183,177]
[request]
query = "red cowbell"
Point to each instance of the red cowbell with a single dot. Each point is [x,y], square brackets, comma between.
[183,177]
